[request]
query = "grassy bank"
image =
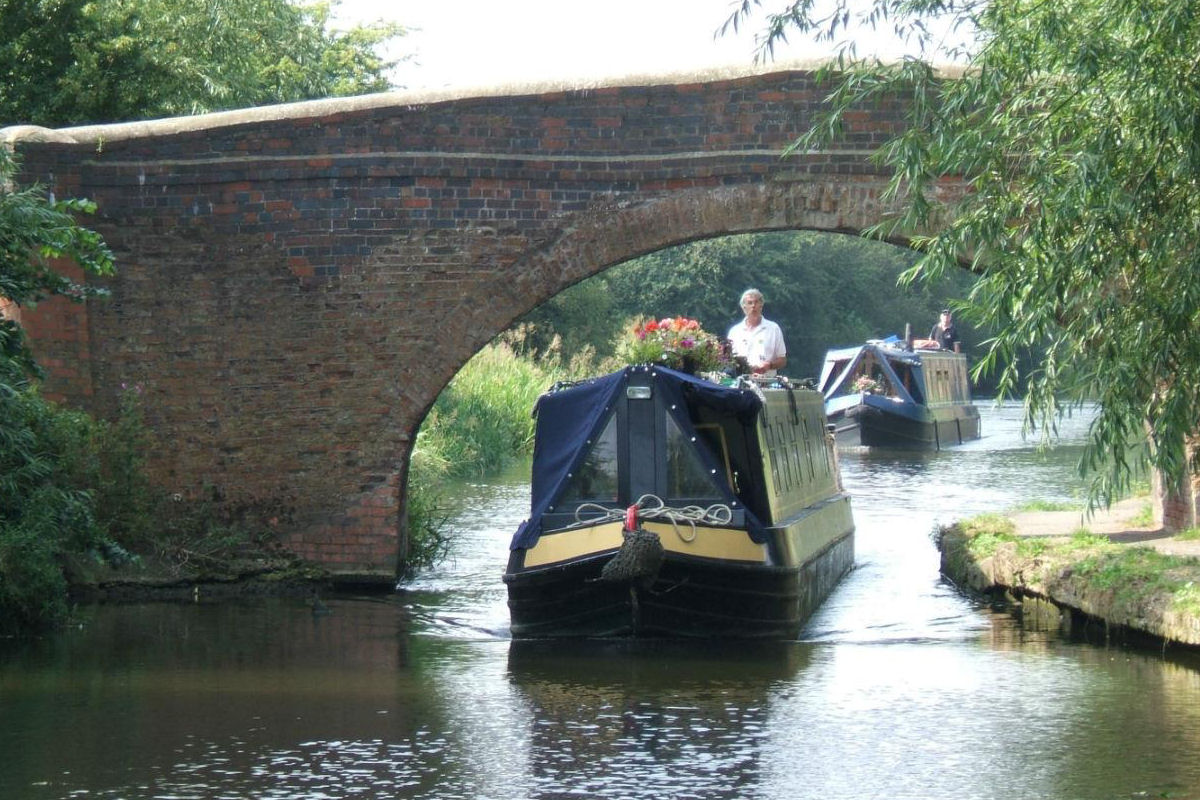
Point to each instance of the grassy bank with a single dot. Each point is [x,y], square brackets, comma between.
[1126,585]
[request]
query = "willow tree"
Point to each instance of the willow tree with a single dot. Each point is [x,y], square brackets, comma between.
[1076,128]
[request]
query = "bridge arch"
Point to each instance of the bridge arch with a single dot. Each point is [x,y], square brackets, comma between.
[297,284]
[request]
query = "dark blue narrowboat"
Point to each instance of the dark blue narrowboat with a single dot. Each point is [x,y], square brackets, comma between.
[666,505]
[890,394]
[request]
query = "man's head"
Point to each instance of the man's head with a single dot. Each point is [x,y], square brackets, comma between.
[752,304]
[946,316]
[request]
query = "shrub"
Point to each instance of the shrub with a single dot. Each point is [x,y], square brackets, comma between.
[480,422]
[44,510]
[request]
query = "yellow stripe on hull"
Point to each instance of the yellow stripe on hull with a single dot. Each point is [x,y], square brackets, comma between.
[723,543]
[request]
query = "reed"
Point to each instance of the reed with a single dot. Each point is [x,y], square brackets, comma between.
[480,422]
[482,419]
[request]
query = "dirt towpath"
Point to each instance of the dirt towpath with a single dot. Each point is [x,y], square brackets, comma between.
[1124,523]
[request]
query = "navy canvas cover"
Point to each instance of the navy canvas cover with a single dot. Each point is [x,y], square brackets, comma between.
[570,419]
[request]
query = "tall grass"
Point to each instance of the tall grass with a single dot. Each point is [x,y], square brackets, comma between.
[483,419]
[480,422]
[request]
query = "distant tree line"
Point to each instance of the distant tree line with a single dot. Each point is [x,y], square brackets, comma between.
[825,290]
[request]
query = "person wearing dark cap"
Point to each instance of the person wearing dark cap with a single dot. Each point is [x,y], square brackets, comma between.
[945,332]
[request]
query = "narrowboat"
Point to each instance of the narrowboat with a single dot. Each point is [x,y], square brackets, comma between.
[667,505]
[889,393]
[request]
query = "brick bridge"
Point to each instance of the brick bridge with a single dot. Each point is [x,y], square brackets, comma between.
[296,284]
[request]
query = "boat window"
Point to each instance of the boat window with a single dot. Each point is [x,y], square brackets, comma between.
[714,435]
[834,371]
[905,372]
[686,476]
[596,478]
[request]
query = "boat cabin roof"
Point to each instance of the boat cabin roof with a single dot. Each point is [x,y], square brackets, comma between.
[575,423]
[887,366]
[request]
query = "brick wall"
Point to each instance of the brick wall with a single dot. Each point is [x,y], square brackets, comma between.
[296,284]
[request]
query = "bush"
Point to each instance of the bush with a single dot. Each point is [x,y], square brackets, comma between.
[481,421]
[44,511]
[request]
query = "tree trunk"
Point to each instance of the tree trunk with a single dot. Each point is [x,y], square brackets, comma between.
[1175,502]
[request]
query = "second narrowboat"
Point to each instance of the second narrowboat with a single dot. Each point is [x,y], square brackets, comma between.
[891,394]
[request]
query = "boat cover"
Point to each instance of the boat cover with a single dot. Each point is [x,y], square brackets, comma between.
[571,418]
[886,352]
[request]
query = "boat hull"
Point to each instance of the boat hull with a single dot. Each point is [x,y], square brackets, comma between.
[909,428]
[689,595]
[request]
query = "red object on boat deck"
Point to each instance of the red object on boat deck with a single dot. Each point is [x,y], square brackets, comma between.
[631,518]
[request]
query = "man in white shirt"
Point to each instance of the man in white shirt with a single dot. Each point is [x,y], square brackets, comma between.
[757,339]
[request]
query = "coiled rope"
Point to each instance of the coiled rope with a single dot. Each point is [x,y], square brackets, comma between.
[651,506]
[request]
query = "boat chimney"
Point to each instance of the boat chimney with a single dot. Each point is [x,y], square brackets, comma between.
[908,340]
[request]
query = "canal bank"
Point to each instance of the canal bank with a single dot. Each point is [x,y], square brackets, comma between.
[1115,569]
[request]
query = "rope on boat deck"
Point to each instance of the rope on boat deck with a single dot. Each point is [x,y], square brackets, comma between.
[651,506]
[716,514]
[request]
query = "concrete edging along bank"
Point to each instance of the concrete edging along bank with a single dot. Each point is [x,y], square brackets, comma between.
[1127,574]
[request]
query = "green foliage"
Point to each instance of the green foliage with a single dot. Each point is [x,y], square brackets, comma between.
[1032,547]
[1083,539]
[43,511]
[124,497]
[825,290]
[986,533]
[214,535]
[1131,571]
[482,418]
[427,515]
[45,507]
[1136,578]
[1047,505]
[35,230]
[71,62]
[33,591]
[480,422]
[1074,128]
[1187,598]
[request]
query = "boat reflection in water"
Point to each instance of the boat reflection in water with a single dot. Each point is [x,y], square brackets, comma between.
[634,717]
[888,393]
[667,505]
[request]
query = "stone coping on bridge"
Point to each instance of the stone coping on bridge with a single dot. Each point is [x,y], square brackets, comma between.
[119,131]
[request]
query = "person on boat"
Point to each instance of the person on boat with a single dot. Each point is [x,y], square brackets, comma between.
[945,332]
[756,338]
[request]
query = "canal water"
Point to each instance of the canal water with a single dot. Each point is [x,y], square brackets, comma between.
[900,687]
